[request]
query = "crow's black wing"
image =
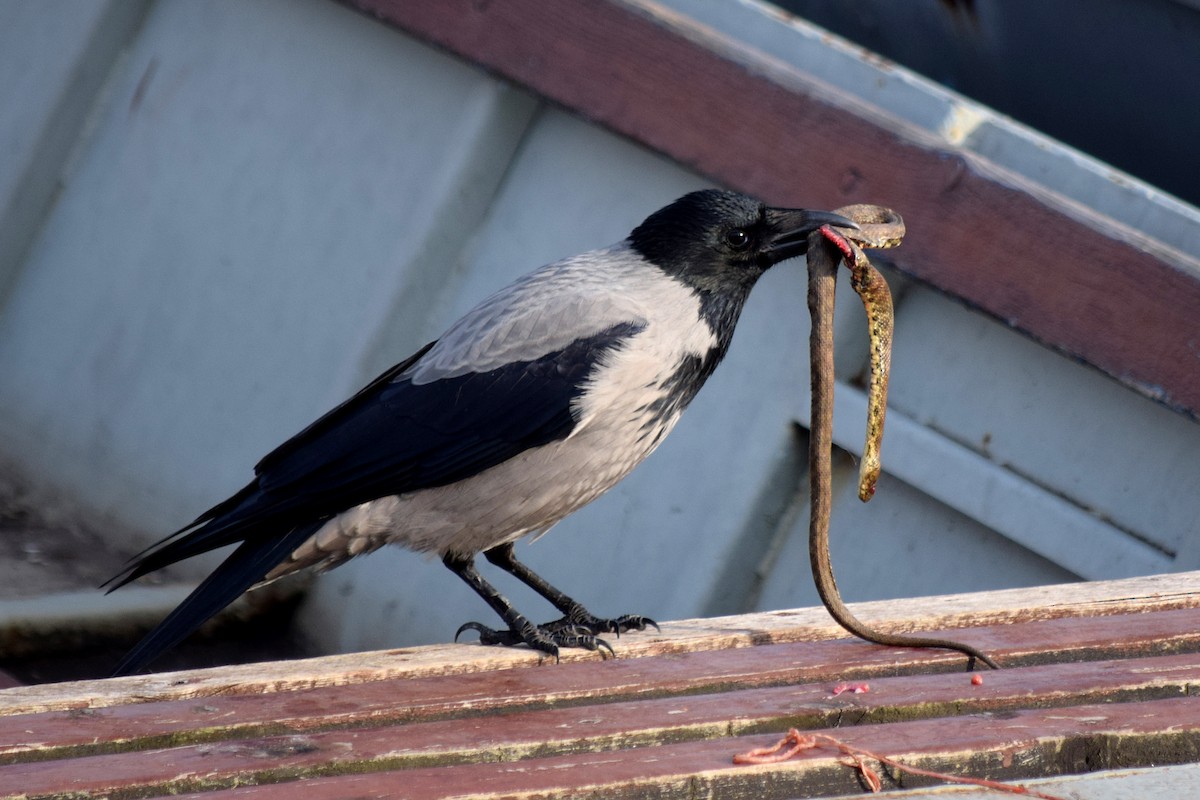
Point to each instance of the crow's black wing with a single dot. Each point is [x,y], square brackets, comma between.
[396,436]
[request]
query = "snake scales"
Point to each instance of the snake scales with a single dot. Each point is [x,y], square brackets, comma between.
[878,228]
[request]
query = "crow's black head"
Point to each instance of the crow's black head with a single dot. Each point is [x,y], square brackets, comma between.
[718,241]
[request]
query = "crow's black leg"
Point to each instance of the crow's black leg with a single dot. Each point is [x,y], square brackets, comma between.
[575,616]
[520,630]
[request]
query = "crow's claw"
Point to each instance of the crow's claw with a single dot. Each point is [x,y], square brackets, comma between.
[488,635]
[583,619]
[546,638]
[632,622]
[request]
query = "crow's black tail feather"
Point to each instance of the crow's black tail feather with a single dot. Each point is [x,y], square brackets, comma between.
[244,567]
[229,522]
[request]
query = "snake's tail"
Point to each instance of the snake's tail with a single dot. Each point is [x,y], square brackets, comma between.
[822,270]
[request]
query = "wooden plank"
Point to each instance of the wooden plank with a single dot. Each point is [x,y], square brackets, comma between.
[608,727]
[666,722]
[1079,282]
[59,734]
[1002,608]
[1005,746]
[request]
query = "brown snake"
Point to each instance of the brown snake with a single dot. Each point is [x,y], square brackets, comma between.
[878,228]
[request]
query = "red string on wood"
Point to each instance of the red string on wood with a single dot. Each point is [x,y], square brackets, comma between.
[795,742]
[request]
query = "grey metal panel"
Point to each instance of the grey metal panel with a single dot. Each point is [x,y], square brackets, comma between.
[1058,426]
[217,268]
[901,544]
[53,63]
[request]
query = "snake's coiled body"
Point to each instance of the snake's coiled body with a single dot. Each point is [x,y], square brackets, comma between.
[878,227]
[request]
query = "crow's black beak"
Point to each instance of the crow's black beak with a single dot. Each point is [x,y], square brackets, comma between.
[791,227]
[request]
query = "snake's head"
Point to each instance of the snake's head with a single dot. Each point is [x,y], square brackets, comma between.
[839,240]
[790,228]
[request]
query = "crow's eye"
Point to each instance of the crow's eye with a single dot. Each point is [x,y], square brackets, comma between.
[738,239]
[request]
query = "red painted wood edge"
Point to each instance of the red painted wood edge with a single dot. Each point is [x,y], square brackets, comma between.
[69,734]
[1070,278]
[620,726]
[1004,746]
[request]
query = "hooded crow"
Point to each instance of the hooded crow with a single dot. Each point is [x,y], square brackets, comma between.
[536,402]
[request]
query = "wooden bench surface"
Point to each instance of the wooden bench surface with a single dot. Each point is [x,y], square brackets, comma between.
[1097,676]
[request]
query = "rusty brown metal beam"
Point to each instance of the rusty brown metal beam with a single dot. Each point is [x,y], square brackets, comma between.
[1072,279]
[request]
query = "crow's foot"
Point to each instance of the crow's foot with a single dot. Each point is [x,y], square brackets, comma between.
[575,616]
[580,617]
[546,638]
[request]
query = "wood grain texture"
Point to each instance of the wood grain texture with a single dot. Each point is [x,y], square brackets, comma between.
[944,612]
[1097,675]
[1005,746]
[410,700]
[1077,281]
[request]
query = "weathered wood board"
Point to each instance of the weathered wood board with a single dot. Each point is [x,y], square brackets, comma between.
[1097,676]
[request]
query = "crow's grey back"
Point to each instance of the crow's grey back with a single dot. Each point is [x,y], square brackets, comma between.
[543,312]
